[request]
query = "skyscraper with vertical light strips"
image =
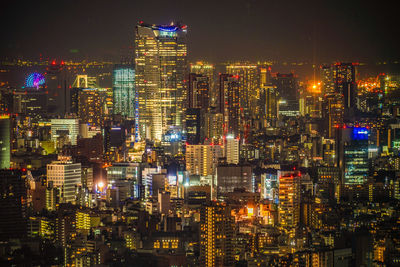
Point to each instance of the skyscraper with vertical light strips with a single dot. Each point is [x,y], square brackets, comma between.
[124,91]
[160,72]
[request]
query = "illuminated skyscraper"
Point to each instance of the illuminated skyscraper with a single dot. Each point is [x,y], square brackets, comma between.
[289,198]
[160,77]
[206,70]
[248,79]
[288,89]
[198,92]
[328,86]
[268,104]
[213,123]
[90,109]
[124,93]
[333,113]
[229,104]
[216,235]
[5,142]
[344,77]
[198,104]
[353,154]
[340,90]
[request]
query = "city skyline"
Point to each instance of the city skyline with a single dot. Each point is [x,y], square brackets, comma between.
[128,151]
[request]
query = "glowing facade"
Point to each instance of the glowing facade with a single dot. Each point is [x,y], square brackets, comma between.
[216,236]
[90,107]
[232,150]
[289,198]
[206,70]
[248,86]
[229,104]
[160,72]
[66,176]
[124,91]
[356,155]
[202,159]
[68,127]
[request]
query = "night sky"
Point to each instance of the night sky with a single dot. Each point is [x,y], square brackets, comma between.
[219,30]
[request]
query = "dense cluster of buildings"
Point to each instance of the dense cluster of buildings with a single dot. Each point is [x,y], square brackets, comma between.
[196,164]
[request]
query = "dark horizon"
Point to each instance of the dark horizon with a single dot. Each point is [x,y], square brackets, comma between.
[228,30]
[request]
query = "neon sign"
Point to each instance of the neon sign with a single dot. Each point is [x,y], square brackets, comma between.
[360,133]
[34,80]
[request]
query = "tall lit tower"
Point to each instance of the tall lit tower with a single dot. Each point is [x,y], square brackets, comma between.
[328,86]
[216,235]
[344,76]
[124,91]
[229,104]
[90,108]
[160,77]
[198,92]
[207,70]
[353,154]
[340,90]
[289,198]
[248,75]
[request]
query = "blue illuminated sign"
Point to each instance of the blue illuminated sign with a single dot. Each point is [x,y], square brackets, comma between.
[168,29]
[360,133]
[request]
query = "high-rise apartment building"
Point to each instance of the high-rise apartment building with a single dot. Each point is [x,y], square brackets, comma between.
[90,108]
[248,79]
[232,150]
[124,93]
[160,77]
[216,235]
[289,198]
[66,176]
[202,159]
